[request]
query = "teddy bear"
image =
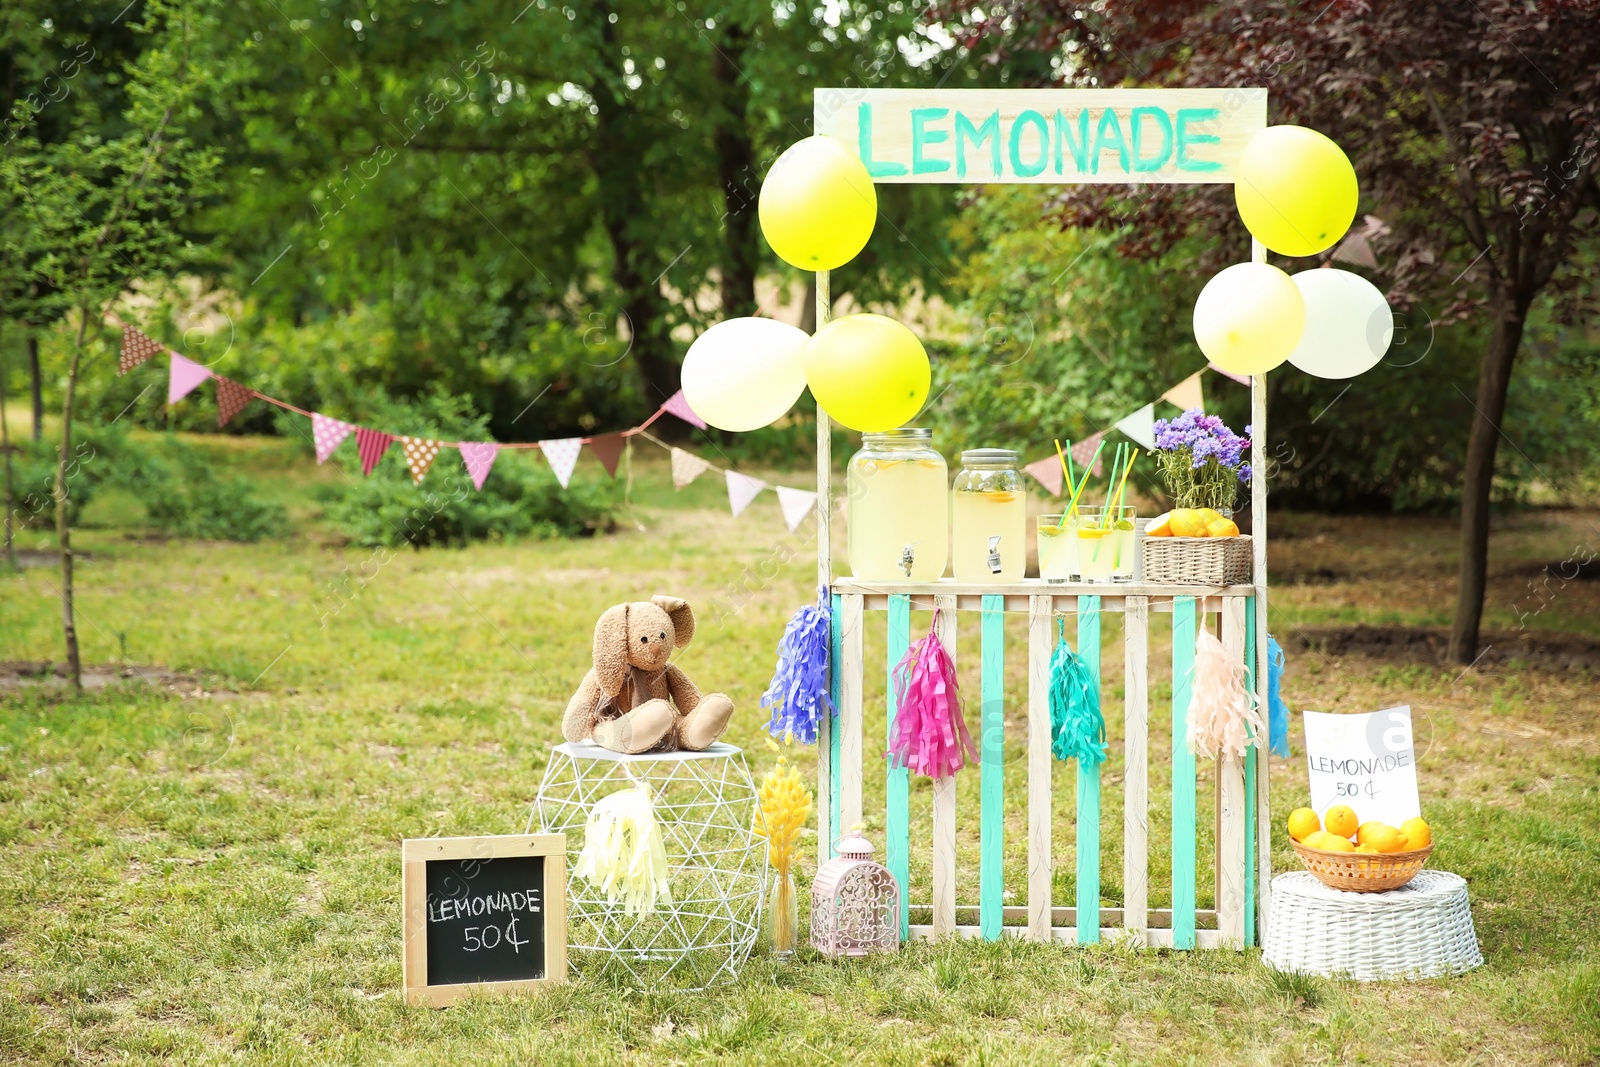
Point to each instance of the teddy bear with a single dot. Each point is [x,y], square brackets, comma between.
[633,700]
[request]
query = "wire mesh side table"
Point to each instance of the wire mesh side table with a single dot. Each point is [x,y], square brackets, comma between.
[705,805]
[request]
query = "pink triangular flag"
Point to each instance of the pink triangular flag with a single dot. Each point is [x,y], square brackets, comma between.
[136,348]
[326,434]
[742,489]
[1186,394]
[479,456]
[184,377]
[1242,379]
[678,405]
[1048,471]
[1084,451]
[796,505]
[686,467]
[563,456]
[371,445]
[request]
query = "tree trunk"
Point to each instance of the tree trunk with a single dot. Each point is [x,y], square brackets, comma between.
[5,446]
[38,388]
[69,629]
[736,169]
[618,146]
[1494,381]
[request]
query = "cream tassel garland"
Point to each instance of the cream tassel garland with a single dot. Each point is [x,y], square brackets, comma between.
[622,851]
[1221,707]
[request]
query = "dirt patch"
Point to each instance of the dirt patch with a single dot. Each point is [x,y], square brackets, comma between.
[21,674]
[1416,644]
[32,559]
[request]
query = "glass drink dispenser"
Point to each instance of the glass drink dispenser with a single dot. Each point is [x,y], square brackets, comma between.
[988,518]
[896,528]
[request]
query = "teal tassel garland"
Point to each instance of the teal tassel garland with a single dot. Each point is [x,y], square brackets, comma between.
[1077,727]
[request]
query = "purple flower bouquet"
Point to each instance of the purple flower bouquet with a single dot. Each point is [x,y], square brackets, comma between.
[1201,460]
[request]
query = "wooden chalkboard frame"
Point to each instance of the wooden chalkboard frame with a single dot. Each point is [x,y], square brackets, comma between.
[415,856]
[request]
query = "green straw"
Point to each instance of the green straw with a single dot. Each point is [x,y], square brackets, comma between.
[1111,483]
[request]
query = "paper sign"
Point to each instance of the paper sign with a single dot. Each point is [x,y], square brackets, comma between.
[1048,136]
[1365,761]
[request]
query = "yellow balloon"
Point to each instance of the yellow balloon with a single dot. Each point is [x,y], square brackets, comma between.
[1296,190]
[1249,318]
[868,372]
[818,205]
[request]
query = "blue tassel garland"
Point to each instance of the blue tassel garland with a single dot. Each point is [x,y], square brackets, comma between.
[1077,727]
[798,696]
[1277,710]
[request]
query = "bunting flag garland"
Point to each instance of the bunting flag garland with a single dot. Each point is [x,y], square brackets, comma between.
[686,467]
[1242,379]
[326,435]
[1083,452]
[1048,471]
[420,452]
[1187,393]
[370,446]
[796,504]
[678,404]
[608,450]
[479,457]
[563,456]
[1140,427]
[742,489]
[136,348]
[184,376]
[232,398]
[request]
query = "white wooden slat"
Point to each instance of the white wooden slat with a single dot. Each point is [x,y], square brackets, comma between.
[1258,540]
[1136,756]
[944,803]
[1232,810]
[1040,862]
[827,833]
[1068,935]
[851,696]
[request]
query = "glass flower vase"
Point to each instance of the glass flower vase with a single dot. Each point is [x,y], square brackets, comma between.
[783,915]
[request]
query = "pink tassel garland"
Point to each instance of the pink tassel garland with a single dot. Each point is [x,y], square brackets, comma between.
[1221,707]
[930,734]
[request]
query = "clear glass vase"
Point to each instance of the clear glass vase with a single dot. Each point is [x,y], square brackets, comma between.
[783,915]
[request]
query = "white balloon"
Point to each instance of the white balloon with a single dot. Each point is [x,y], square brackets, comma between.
[1348,324]
[743,374]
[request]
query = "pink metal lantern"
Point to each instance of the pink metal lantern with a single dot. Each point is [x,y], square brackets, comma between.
[855,902]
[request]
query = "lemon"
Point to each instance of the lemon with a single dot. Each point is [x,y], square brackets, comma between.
[1160,526]
[1418,833]
[1222,528]
[1340,820]
[1327,842]
[1209,515]
[1303,822]
[1187,522]
[1366,850]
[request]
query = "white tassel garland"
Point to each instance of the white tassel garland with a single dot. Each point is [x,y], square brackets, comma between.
[1221,707]
[622,851]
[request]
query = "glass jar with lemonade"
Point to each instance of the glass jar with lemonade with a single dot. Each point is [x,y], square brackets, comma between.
[988,518]
[895,526]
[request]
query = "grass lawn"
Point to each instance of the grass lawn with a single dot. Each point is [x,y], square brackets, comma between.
[201,859]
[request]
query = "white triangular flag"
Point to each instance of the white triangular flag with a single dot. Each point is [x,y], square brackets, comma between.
[563,456]
[1140,426]
[686,467]
[741,490]
[796,505]
[1186,394]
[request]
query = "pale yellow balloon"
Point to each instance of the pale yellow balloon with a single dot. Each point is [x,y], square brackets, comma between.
[745,373]
[1249,318]
[1296,190]
[818,205]
[868,372]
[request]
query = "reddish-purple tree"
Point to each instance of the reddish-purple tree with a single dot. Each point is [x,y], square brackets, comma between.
[1474,128]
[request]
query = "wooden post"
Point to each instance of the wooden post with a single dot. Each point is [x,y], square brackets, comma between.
[992,783]
[827,730]
[1040,860]
[1087,844]
[1232,809]
[944,802]
[1258,542]
[897,786]
[850,713]
[1183,774]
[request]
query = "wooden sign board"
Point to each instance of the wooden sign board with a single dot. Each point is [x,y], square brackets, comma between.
[484,913]
[1044,136]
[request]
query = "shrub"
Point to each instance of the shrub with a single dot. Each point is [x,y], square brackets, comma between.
[184,497]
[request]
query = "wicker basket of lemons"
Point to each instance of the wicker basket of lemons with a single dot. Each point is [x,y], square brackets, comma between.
[1195,546]
[1367,857]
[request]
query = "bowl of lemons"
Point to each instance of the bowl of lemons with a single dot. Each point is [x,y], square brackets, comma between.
[1360,857]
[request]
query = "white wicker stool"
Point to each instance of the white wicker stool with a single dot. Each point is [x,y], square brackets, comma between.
[1421,930]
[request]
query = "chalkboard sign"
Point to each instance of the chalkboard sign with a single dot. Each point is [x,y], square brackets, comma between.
[483,913]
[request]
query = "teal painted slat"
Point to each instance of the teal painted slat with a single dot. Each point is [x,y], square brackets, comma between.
[1250,781]
[1088,836]
[897,814]
[835,653]
[991,756]
[1183,774]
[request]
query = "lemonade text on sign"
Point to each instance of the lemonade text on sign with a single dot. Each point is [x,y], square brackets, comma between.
[1043,135]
